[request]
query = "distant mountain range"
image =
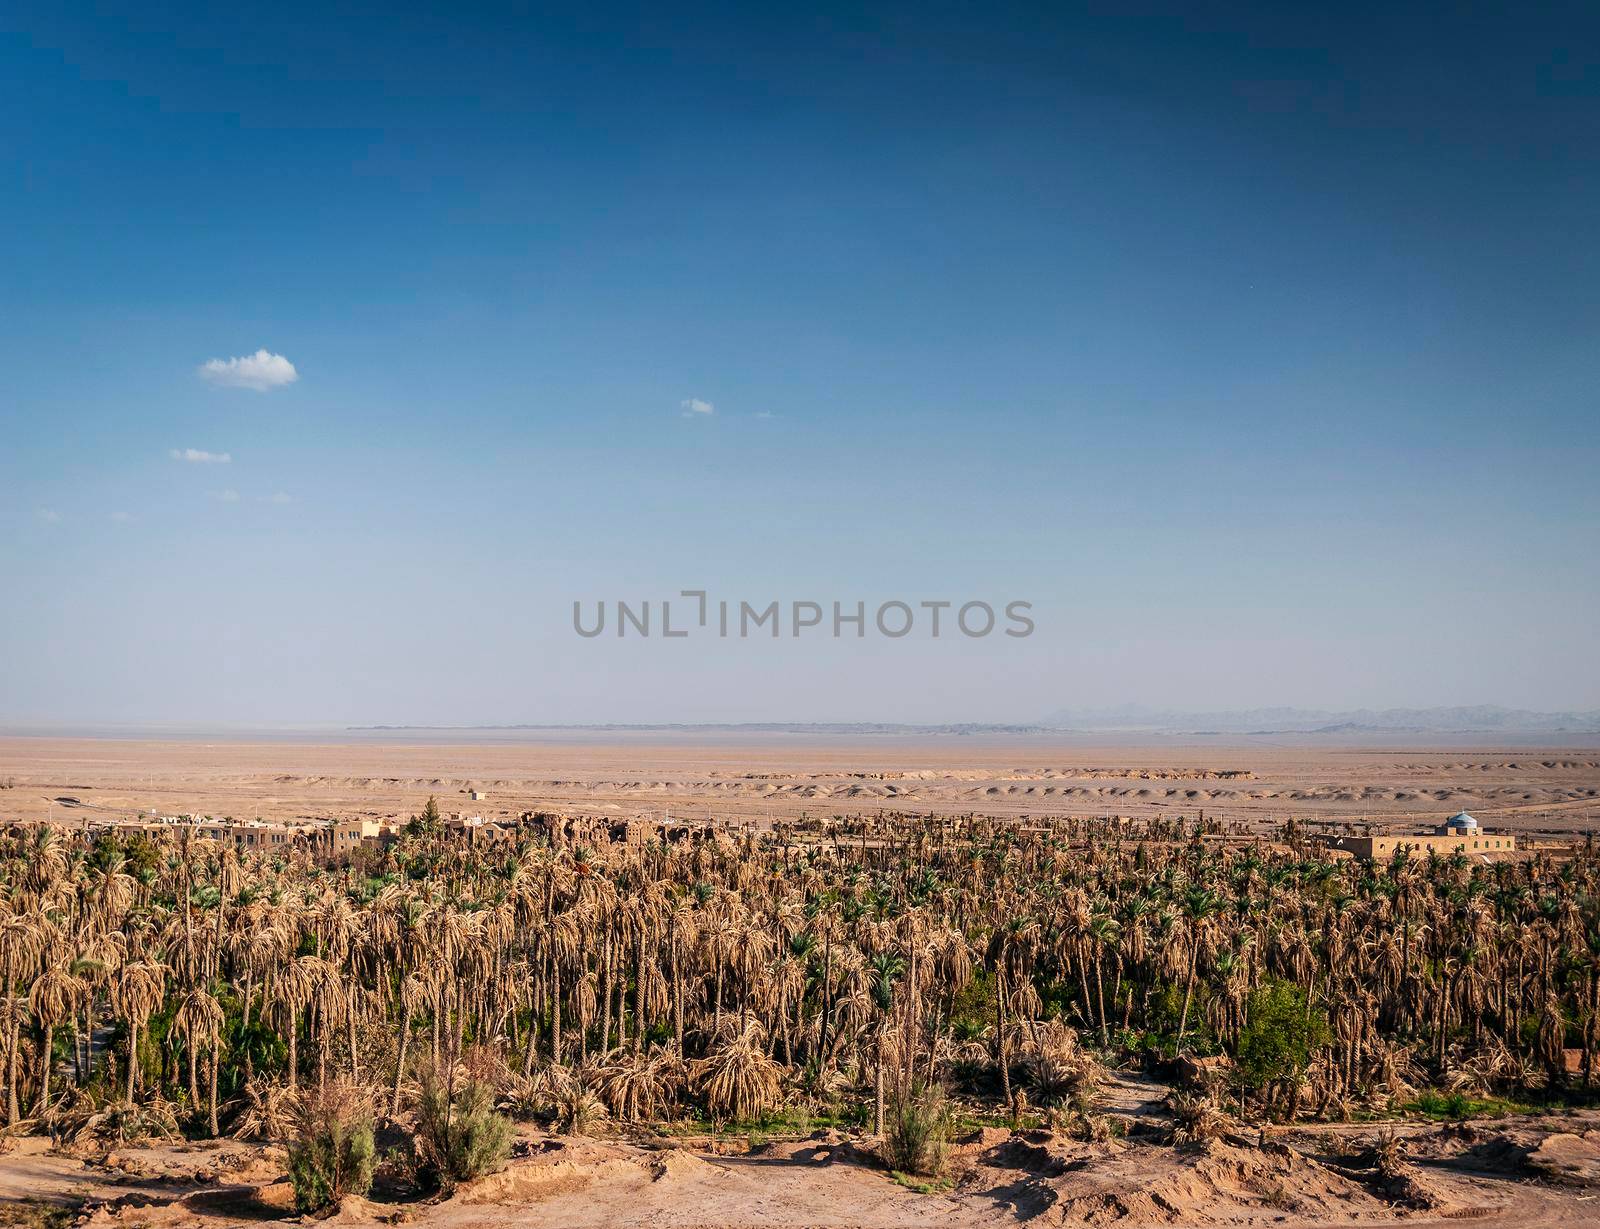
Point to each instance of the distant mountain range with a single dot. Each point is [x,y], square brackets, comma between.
[1481,720]
[739,727]
[1472,719]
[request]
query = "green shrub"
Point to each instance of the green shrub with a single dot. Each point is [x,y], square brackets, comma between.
[1283,1034]
[917,1132]
[333,1152]
[1454,1106]
[459,1134]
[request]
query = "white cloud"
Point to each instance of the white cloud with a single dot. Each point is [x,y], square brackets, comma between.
[693,405]
[122,518]
[48,515]
[259,371]
[199,456]
[277,497]
[229,496]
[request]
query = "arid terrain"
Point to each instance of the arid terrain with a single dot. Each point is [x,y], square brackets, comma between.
[1523,1173]
[1525,789]
[1101,1023]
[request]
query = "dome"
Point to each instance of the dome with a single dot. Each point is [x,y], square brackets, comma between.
[1461,820]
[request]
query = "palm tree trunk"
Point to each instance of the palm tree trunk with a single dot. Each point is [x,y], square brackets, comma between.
[531,1051]
[1100,1001]
[555,1013]
[827,990]
[877,1120]
[44,1070]
[909,1073]
[324,1042]
[350,1029]
[400,1057]
[622,1004]
[677,999]
[638,999]
[133,1061]
[216,1061]
[1188,993]
[14,1044]
[605,998]
[194,1084]
[1000,1040]
[294,1050]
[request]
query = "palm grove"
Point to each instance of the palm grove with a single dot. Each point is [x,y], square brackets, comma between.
[732,978]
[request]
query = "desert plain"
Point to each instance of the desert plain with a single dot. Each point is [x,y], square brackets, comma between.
[757,778]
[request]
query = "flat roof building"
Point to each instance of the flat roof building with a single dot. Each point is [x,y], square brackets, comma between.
[1460,833]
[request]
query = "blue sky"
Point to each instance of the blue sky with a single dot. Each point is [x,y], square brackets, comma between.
[1257,350]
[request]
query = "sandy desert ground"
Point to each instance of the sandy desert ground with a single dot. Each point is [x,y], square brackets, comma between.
[1524,789]
[1524,1173]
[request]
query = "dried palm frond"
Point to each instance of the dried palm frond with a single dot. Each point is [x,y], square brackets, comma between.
[268,1112]
[637,1087]
[119,1121]
[574,1107]
[738,1079]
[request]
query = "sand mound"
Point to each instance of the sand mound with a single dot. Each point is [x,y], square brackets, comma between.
[1215,1183]
[1568,1159]
[547,1175]
[677,1164]
[354,1210]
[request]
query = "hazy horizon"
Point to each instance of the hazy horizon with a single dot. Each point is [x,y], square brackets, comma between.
[1478,726]
[1255,350]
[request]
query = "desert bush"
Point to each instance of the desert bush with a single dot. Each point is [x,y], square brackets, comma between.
[575,1108]
[1196,1118]
[1058,1072]
[1389,1154]
[459,1134]
[333,1153]
[917,1132]
[523,1097]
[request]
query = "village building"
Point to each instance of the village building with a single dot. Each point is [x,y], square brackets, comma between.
[1461,833]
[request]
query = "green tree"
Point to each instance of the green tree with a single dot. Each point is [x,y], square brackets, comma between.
[333,1153]
[1277,1044]
[428,823]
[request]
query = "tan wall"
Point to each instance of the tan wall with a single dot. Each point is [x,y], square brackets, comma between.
[1384,847]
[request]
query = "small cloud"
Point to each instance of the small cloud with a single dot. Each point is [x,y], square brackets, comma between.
[122,518]
[229,496]
[277,497]
[765,414]
[260,371]
[693,405]
[48,515]
[199,456]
